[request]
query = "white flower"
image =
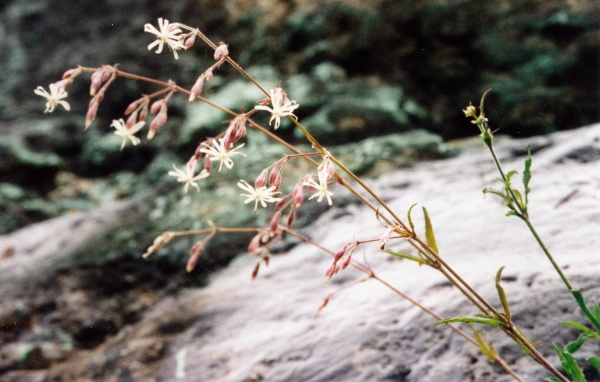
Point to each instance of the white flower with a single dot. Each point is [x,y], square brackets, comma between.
[187,176]
[126,133]
[262,194]
[218,152]
[169,34]
[54,98]
[282,107]
[321,187]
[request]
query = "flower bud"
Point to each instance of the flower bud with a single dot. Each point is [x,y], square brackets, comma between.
[189,42]
[254,243]
[261,181]
[346,262]
[209,74]
[191,264]
[197,88]
[323,304]
[291,217]
[275,221]
[131,120]
[221,51]
[157,106]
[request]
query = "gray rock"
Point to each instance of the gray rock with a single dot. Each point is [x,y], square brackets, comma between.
[234,330]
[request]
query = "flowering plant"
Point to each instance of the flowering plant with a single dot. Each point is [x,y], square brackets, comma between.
[267,190]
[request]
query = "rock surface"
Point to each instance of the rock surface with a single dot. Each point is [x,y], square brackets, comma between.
[236,330]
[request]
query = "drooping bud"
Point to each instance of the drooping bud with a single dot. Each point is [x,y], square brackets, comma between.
[158,243]
[254,243]
[291,217]
[323,304]
[261,181]
[197,88]
[208,74]
[274,224]
[191,264]
[346,262]
[189,42]
[340,253]
[221,51]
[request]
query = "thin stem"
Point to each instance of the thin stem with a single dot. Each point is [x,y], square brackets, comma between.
[372,275]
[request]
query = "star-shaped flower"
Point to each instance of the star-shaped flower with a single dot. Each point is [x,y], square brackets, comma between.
[54,98]
[282,107]
[187,176]
[321,187]
[262,194]
[127,133]
[168,34]
[218,152]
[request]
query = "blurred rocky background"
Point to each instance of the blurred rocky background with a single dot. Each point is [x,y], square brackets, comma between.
[382,82]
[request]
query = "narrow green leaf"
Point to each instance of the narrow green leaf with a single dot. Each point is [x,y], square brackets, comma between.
[527,174]
[408,256]
[483,99]
[573,369]
[493,191]
[410,222]
[519,198]
[595,362]
[484,345]
[553,379]
[578,296]
[474,320]
[569,365]
[596,311]
[509,176]
[576,325]
[502,295]
[429,235]
[573,346]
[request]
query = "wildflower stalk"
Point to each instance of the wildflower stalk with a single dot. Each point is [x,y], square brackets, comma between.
[519,209]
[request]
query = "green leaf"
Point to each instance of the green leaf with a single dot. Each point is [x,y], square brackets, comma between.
[595,362]
[483,99]
[473,320]
[569,365]
[578,296]
[502,295]
[410,222]
[527,174]
[573,346]
[596,311]
[518,197]
[508,176]
[576,325]
[429,232]
[553,379]
[493,191]
[484,345]
[408,256]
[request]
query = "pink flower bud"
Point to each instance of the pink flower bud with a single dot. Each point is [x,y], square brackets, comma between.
[330,272]
[208,74]
[340,253]
[197,88]
[298,195]
[261,181]
[274,224]
[71,73]
[346,262]
[91,113]
[291,217]
[131,120]
[157,106]
[254,243]
[221,51]
[207,163]
[143,113]
[189,42]
[191,264]
[198,248]
[96,82]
